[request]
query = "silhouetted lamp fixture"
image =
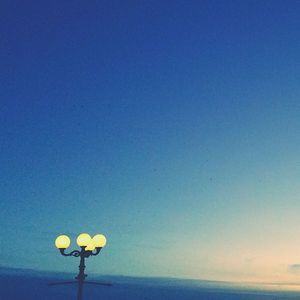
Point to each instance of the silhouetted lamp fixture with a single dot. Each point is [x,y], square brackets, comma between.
[88,247]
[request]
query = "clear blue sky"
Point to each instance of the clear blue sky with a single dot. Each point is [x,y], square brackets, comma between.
[170,126]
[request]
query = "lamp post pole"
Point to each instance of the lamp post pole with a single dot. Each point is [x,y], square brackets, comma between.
[88,247]
[81,276]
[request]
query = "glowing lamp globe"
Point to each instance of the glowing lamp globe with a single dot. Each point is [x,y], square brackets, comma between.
[90,246]
[83,239]
[99,240]
[62,242]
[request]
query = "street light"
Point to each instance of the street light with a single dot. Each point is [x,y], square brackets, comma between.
[88,247]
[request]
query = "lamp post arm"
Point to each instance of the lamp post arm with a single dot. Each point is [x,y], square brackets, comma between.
[75,253]
[98,249]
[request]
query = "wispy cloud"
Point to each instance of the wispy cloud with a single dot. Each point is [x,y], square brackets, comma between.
[294,268]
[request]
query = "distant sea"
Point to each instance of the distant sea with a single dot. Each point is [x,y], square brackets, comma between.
[28,284]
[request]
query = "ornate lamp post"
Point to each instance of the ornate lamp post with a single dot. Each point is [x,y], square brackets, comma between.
[88,247]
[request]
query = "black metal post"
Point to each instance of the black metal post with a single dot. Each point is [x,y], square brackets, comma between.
[81,276]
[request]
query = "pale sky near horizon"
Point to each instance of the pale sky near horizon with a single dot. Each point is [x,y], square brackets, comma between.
[173,127]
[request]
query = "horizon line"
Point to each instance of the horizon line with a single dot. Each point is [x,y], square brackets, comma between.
[4,268]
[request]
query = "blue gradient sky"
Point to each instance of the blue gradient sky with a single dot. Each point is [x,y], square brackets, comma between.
[170,126]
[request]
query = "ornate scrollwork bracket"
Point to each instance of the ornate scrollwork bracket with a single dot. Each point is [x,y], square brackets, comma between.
[83,252]
[97,251]
[75,253]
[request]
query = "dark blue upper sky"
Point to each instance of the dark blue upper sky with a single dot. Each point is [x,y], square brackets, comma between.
[169,126]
